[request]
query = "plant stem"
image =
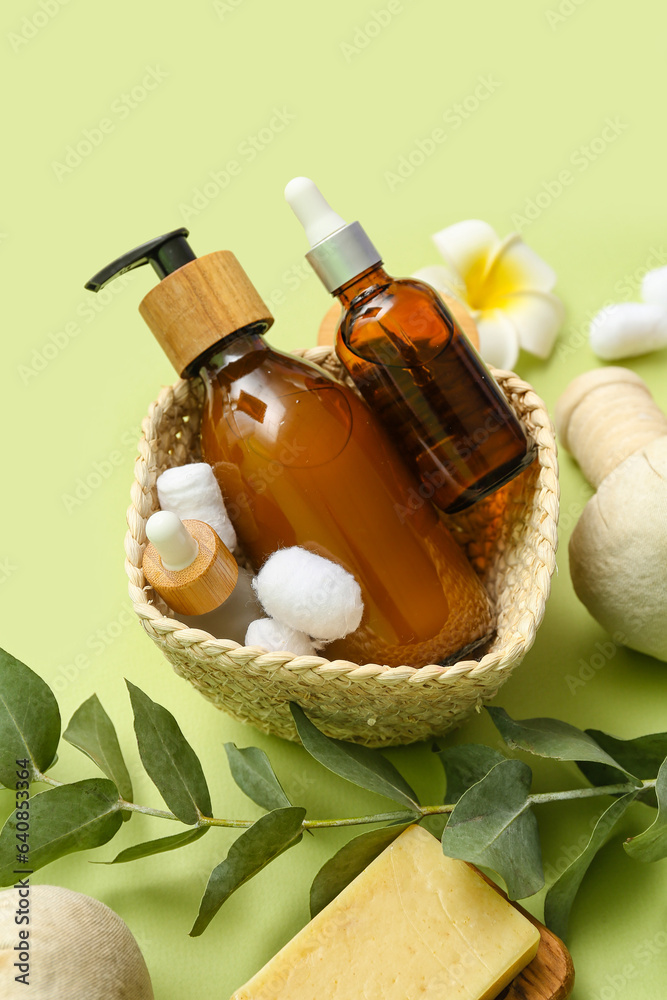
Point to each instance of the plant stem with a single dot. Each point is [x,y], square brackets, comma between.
[392,817]
[146,810]
[587,793]
[406,816]
[437,810]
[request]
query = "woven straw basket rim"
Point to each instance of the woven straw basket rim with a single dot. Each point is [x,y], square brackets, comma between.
[511,539]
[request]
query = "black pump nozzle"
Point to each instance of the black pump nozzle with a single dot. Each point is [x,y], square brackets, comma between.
[165,253]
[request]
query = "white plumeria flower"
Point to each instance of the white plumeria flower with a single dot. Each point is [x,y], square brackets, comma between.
[504,284]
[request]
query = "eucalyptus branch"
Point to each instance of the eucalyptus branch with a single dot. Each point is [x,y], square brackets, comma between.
[489,807]
[420,812]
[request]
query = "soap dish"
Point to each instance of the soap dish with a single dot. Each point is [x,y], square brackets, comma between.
[510,538]
[550,975]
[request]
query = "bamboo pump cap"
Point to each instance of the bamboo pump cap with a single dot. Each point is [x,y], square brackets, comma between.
[187,565]
[198,302]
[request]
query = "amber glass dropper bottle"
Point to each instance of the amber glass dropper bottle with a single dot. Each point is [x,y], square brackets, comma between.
[413,364]
[301,460]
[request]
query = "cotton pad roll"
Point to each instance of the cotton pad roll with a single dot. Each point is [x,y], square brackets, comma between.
[309,593]
[277,636]
[192,492]
[628,329]
[654,287]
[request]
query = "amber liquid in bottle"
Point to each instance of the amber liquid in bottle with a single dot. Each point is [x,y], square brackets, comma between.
[419,373]
[301,461]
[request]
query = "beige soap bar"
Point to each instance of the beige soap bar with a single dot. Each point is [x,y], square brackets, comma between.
[414,925]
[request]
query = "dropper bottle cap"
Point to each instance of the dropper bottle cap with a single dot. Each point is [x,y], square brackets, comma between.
[339,250]
[198,302]
[187,565]
[171,538]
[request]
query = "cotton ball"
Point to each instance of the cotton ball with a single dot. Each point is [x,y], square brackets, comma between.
[78,948]
[274,635]
[627,329]
[309,593]
[192,492]
[654,287]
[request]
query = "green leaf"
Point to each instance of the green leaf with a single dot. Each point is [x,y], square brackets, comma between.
[348,862]
[465,765]
[651,845]
[493,825]
[159,846]
[560,896]
[62,820]
[641,756]
[29,719]
[92,731]
[170,761]
[251,770]
[253,850]
[551,738]
[360,765]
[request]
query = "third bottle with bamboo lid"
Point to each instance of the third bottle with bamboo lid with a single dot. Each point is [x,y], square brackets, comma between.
[413,364]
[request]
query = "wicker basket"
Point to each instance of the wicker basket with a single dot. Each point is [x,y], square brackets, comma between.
[510,538]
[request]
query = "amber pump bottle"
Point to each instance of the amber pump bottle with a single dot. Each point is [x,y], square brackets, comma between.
[413,364]
[302,461]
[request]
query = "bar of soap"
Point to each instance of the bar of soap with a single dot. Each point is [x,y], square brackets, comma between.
[414,925]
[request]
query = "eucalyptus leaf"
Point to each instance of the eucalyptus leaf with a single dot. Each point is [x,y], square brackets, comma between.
[260,844]
[170,761]
[92,731]
[642,756]
[465,765]
[552,738]
[251,770]
[29,720]
[158,846]
[651,845]
[62,820]
[560,896]
[492,825]
[349,862]
[360,765]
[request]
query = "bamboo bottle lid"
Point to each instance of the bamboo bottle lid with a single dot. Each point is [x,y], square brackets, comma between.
[199,301]
[199,304]
[209,572]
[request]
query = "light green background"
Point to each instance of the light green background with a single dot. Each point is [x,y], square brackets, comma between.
[219,73]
